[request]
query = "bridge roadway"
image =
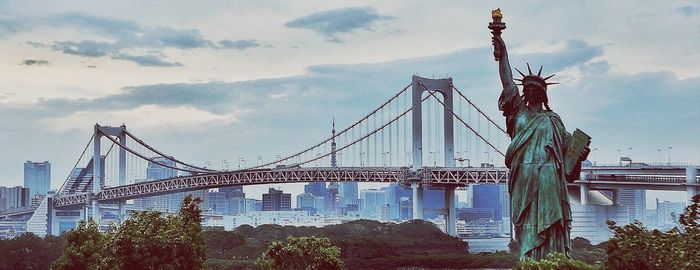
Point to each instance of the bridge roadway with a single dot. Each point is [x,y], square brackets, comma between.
[655,178]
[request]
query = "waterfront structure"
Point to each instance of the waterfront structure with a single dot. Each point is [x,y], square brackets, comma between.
[37,177]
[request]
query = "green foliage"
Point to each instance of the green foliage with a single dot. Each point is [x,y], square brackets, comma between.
[554,261]
[146,240]
[28,251]
[82,249]
[365,244]
[634,246]
[301,253]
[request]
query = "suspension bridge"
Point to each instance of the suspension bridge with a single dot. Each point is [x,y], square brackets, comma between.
[420,137]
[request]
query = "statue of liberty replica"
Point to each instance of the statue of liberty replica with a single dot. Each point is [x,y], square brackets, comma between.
[542,158]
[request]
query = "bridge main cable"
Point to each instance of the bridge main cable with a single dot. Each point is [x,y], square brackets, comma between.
[477,109]
[460,119]
[144,144]
[363,137]
[337,134]
[149,159]
[76,163]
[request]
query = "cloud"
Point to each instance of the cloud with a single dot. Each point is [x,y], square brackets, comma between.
[147,60]
[142,117]
[34,62]
[240,44]
[123,35]
[87,48]
[345,20]
[688,11]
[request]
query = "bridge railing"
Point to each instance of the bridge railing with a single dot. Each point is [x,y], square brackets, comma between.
[638,178]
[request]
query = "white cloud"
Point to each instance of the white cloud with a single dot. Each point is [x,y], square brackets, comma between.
[143,117]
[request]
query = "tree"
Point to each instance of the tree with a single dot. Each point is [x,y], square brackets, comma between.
[147,240]
[82,249]
[633,246]
[301,253]
[28,251]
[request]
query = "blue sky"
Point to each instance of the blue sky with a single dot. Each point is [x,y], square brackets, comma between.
[225,80]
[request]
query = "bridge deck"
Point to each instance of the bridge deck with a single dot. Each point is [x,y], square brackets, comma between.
[431,176]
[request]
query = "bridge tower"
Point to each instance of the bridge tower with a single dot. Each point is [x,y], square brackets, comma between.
[98,173]
[443,87]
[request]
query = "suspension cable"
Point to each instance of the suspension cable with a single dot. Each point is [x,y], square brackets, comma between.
[142,143]
[477,109]
[60,190]
[337,134]
[460,119]
[365,136]
[149,159]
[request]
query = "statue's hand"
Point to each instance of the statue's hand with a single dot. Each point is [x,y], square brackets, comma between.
[499,47]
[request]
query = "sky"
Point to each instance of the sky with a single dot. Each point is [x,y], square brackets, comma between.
[229,79]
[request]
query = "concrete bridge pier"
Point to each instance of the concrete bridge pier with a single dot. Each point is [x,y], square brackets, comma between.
[584,188]
[450,213]
[692,181]
[417,199]
[122,211]
[96,212]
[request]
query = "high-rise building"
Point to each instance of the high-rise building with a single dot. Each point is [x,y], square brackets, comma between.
[37,177]
[318,189]
[276,200]
[347,193]
[233,192]
[406,208]
[433,201]
[163,203]
[372,199]
[635,200]
[332,199]
[667,213]
[252,205]
[488,196]
[14,197]
[217,203]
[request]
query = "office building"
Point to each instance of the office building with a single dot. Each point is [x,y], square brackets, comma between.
[37,177]
[668,213]
[635,200]
[14,197]
[488,196]
[276,200]
[372,199]
[347,193]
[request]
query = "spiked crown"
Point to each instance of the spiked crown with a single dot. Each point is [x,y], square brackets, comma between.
[534,79]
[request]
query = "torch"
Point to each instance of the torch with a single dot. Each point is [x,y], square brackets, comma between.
[496,27]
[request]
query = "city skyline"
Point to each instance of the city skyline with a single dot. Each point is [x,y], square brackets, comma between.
[176,81]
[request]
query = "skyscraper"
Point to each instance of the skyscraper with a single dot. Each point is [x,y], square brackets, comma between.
[488,196]
[636,202]
[163,203]
[372,199]
[276,200]
[347,193]
[14,197]
[37,177]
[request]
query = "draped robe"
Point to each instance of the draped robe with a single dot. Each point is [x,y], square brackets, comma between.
[540,208]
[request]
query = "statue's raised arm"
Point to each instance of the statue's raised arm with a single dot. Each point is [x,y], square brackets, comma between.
[504,68]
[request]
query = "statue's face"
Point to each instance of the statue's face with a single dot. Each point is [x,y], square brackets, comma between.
[534,93]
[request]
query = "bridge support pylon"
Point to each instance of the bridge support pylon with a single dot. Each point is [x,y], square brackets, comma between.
[691,189]
[442,87]
[417,199]
[450,213]
[584,188]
